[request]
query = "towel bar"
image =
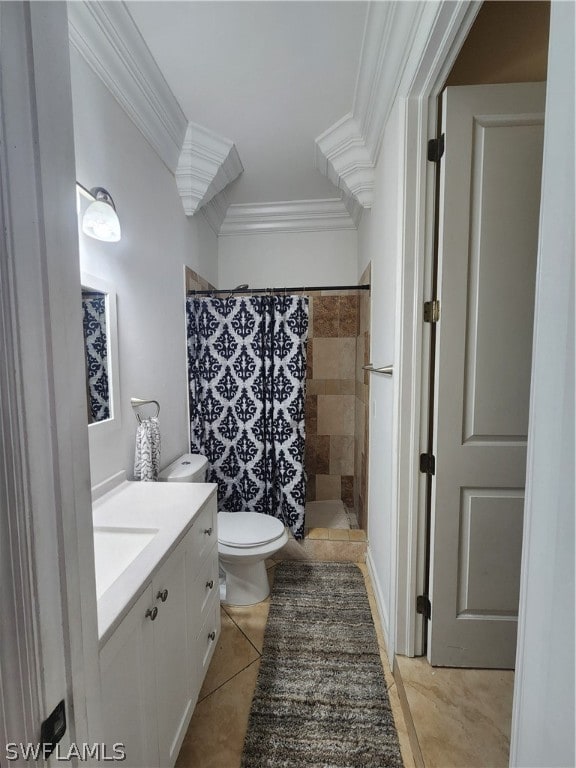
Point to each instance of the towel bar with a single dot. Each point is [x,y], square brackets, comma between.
[385,370]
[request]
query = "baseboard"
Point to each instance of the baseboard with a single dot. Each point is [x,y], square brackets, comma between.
[412,736]
[382,610]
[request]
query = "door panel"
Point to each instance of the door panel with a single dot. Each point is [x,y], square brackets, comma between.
[488,232]
[490,551]
[501,278]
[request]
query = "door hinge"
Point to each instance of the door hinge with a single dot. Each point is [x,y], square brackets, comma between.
[431,311]
[427,463]
[424,606]
[53,729]
[436,149]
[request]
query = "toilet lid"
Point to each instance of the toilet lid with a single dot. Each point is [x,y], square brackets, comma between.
[248,529]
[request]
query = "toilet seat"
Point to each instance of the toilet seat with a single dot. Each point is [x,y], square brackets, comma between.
[248,529]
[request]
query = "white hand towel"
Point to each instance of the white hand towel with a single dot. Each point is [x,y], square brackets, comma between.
[147,454]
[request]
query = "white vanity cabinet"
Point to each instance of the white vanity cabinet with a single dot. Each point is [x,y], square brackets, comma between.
[154,663]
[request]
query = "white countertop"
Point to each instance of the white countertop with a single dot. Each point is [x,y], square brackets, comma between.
[158,514]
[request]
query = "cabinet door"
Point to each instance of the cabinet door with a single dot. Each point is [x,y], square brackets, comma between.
[207,640]
[174,685]
[128,687]
[203,593]
[203,588]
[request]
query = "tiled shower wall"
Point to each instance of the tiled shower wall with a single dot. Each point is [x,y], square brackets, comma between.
[332,397]
[362,404]
[194,282]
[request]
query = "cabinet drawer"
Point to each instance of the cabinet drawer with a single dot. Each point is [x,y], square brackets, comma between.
[204,533]
[207,640]
[204,587]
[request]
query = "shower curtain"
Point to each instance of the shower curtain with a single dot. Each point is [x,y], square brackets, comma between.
[247,376]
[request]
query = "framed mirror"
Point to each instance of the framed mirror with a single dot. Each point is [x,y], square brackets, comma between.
[100,332]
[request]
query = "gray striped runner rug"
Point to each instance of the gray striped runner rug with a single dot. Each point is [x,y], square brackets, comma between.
[320,698]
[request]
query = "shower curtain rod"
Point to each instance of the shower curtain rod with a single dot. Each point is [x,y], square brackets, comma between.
[212,291]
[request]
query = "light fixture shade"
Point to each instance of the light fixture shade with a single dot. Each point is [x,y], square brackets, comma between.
[100,219]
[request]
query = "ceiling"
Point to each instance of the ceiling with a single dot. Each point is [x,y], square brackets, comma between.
[269,76]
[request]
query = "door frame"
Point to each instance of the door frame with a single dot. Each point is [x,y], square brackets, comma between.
[50,650]
[545,658]
[443,36]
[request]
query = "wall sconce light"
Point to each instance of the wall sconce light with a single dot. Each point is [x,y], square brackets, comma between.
[100,219]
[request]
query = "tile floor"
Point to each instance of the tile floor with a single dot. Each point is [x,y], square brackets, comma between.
[335,534]
[327,545]
[216,733]
[446,718]
[457,718]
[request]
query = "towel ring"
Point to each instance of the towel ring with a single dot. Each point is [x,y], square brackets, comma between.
[136,402]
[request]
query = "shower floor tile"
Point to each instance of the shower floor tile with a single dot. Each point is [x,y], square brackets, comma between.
[326,514]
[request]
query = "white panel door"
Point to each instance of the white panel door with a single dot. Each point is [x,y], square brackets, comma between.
[489,211]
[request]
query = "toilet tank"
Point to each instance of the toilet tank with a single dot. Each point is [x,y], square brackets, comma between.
[189,468]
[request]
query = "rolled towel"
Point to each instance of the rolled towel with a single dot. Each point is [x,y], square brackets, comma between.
[147,453]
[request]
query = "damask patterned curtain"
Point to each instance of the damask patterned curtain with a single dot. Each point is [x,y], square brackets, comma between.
[247,373]
[94,323]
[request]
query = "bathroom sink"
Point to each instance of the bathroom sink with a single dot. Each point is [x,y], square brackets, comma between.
[115,549]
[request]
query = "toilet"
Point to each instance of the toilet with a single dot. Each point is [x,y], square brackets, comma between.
[245,539]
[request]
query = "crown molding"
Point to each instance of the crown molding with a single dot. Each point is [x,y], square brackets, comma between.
[348,151]
[214,212]
[353,207]
[341,155]
[207,164]
[386,48]
[292,216]
[106,36]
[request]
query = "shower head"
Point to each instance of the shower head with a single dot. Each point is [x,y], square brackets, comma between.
[239,289]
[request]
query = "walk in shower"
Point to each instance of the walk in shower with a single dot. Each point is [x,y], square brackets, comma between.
[336,407]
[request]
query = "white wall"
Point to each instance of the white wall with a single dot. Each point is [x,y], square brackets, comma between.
[146,267]
[288,259]
[543,718]
[380,246]
[364,251]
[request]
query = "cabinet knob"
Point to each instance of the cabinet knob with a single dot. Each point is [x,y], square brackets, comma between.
[162,595]
[208,531]
[212,636]
[151,613]
[210,584]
